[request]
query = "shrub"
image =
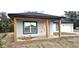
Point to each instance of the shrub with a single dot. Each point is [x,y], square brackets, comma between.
[0,43]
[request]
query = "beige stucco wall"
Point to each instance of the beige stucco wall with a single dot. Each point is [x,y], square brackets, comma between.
[65,27]
[41,30]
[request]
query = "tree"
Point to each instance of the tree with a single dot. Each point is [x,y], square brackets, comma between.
[73,16]
[3,21]
[6,23]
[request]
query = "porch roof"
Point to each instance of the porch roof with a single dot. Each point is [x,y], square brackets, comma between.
[34,15]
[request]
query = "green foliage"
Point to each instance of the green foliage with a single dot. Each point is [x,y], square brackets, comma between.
[6,24]
[0,43]
[73,16]
[10,25]
[3,22]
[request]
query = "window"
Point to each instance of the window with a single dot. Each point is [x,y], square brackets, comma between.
[30,27]
[57,26]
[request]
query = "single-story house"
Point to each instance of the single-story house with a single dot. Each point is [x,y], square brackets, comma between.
[33,24]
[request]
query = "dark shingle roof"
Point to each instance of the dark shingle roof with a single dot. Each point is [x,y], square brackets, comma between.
[65,20]
[34,15]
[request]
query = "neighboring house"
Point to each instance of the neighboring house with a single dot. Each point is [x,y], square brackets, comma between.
[33,24]
[66,26]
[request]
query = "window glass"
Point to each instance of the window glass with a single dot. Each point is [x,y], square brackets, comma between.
[30,27]
[33,28]
[57,26]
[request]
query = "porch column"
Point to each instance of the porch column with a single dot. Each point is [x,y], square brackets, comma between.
[14,29]
[47,28]
[59,28]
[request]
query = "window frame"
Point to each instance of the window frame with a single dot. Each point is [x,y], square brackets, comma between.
[30,29]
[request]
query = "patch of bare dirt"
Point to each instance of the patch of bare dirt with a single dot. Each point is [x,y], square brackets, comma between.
[64,33]
[64,42]
[7,41]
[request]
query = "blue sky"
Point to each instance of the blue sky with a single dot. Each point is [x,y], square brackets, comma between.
[54,7]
